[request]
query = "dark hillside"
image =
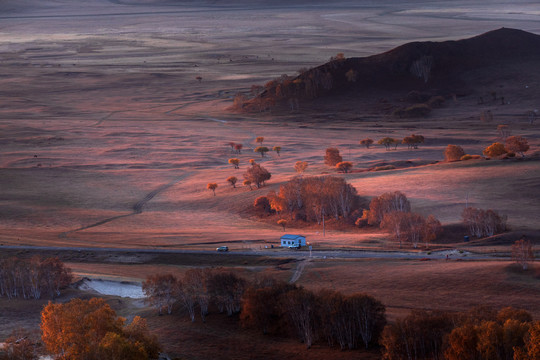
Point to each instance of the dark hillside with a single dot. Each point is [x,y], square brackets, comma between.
[435,67]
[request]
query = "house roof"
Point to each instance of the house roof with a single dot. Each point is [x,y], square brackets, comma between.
[292,237]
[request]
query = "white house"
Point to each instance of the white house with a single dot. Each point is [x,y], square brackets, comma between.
[293,240]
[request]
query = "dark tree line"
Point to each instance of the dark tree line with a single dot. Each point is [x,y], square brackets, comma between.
[345,320]
[481,333]
[33,278]
[273,307]
[197,290]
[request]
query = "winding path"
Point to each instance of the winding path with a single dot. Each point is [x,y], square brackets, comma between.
[137,207]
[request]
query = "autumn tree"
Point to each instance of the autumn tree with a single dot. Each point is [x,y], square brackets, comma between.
[259,140]
[75,329]
[247,183]
[531,348]
[522,253]
[282,222]
[257,174]
[413,141]
[90,330]
[232,180]
[252,162]
[160,291]
[431,230]
[300,166]
[396,222]
[366,142]
[344,166]
[517,144]
[213,187]
[420,335]
[238,148]
[494,150]
[235,162]
[262,205]
[20,345]
[332,157]
[387,142]
[262,150]
[387,203]
[277,149]
[453,153]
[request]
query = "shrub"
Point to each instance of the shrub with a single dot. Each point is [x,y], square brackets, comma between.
[413,111]
[385,167]
[494,150]
[453,153]
[466,157]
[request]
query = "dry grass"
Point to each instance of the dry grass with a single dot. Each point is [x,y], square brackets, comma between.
[102,150]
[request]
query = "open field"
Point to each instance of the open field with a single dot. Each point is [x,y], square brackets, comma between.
[108,139]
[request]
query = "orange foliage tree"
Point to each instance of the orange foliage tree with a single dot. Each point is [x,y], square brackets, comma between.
[517,144]
[344,166]
[494,150]
[90,330]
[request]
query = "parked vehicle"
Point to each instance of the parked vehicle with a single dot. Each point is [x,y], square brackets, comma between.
[222,248]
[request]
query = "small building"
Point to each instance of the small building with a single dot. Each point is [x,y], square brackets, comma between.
[289,240]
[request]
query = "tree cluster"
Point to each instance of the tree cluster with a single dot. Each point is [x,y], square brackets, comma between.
[33,278]
[346,320]
[90,330]
[513,145]
[257,175]
[392,212]
[483,222]
[478,334]
[314,198]
[197,290]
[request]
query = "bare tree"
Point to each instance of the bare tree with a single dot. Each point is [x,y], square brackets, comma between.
[332,157]
[160,291]
[522,253]
[300,307]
